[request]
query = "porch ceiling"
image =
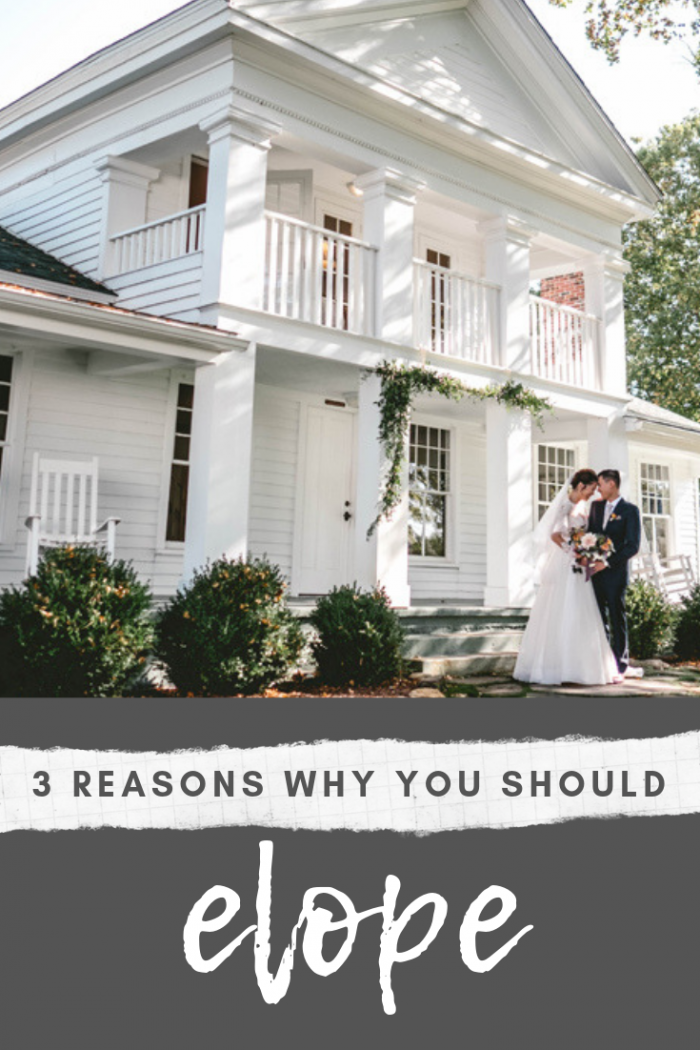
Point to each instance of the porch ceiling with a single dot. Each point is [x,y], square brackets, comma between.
[313,375]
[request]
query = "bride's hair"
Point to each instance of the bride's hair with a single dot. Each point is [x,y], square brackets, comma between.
[584,477]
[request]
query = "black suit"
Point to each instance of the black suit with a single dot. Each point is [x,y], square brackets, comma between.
[625,530]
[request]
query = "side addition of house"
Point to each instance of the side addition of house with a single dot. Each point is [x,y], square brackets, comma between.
[214,229]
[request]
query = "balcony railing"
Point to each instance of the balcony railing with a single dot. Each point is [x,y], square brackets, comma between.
[565,344]
[314,275]
[158,242]
[455,314]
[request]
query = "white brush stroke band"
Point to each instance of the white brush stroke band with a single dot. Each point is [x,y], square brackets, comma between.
[664,773]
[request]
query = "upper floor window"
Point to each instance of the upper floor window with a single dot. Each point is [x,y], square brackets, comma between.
[555,465]
[180,469]
[429,479]
[5,384]
[655,493]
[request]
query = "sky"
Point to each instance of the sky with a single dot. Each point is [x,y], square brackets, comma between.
[652,85]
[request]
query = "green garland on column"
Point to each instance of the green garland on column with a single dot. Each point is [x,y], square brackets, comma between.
[401,384]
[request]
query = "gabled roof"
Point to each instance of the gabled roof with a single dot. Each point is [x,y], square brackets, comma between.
[482,76]
[18,256]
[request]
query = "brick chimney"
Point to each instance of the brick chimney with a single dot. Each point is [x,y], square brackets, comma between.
[568,290]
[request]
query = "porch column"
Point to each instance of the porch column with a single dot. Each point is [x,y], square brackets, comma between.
[509,507]
[220,460]
[608,447]
[604,278]
[383,559]
[233,269]
[507,263]
[124,200]
[389,200]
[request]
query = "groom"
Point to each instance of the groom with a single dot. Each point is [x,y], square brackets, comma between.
[615,517]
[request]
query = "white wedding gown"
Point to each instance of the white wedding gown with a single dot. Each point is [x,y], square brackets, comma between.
[565,639]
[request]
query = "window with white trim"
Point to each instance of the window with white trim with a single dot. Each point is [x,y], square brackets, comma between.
[5,384]
[429,480]
[655,500]
[555,465]
[180,468]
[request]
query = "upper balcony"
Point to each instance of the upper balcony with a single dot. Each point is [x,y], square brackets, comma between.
[375,256]
[328,279]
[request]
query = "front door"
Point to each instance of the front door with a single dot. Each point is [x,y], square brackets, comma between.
[325,518]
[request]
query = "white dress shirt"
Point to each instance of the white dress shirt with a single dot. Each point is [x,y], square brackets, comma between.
[609,508]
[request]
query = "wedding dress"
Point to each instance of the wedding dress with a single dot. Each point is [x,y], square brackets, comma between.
[565,639]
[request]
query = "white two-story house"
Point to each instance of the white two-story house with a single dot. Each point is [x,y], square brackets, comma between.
[262,201]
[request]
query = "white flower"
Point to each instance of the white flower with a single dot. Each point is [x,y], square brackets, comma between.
[588,541]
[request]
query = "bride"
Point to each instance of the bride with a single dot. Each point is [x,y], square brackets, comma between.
[565,639]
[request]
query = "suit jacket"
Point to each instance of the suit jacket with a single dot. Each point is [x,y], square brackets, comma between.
[624,528]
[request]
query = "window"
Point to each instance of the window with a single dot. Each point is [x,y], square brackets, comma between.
[555,465]
[180,469]
[439,305]
[655,485]
[5,382]
[335,293]
[428,491]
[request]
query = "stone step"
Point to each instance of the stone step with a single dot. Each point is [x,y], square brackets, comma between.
[473,664]
[462,643]
[443,619]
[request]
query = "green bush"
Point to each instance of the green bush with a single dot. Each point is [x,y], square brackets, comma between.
[650,619]
[79,627]
[688,627]
[229,631]
[359,637]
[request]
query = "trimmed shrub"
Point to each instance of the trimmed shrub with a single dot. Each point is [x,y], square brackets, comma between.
[359,637]
[80,627]
[230,631]
[650,620]
[688,627]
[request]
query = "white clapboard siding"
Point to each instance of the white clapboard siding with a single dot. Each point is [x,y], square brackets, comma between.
[168,289]
[274,476]
[122,421]
[62,217]
[465,579]
[684,486]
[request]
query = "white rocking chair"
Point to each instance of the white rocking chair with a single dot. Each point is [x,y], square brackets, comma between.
[673,576]
[63,507]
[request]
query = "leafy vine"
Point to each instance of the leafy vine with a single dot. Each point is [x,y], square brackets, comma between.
[401,384]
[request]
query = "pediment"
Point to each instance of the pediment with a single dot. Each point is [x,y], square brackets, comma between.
[488,62]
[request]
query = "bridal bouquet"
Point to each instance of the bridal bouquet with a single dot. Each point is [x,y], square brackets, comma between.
[587,548]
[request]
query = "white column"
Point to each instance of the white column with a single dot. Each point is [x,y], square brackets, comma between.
[234,230]
[509,507]
[389,200]
[220,460]
[383,558]
[608,446]
[507,263]
[124,200]
[604,278]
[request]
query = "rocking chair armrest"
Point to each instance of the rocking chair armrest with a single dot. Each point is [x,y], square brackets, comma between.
[29,521]
[106,524]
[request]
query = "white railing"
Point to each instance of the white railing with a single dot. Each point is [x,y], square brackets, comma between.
[158,242]
[455,314]
[564,344]
[314,275]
